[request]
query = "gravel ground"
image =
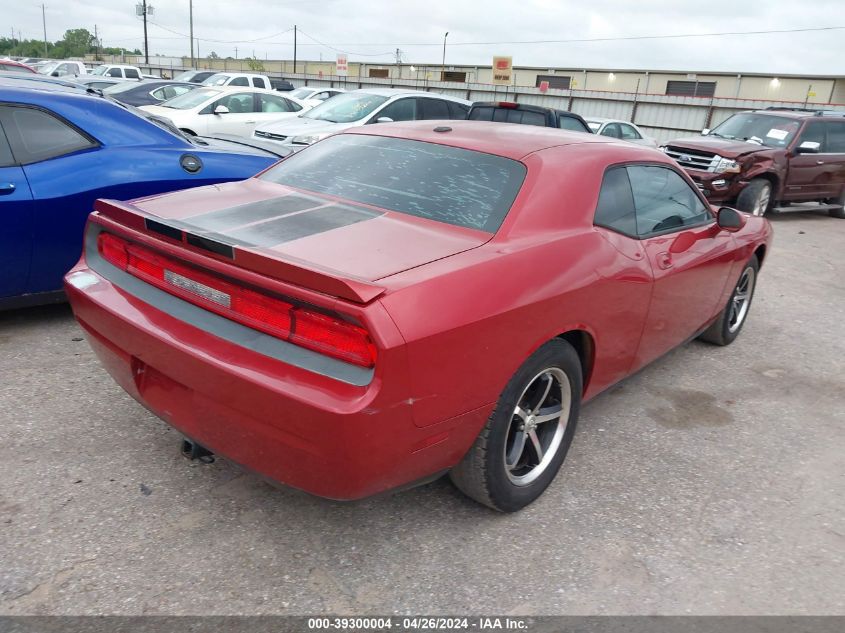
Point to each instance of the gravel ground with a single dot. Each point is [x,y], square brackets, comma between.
[709,483]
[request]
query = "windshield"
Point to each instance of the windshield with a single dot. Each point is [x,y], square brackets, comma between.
[191,99]
[447,184]
[99,70]
[760,129]
[216,80]
[302,93]
[346,108]
[47,68]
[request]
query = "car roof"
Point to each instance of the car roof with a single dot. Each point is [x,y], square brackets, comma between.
[502,139]
[39,82]
[396,92]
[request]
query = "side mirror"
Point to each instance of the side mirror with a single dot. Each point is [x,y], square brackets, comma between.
[55,73]
[809,147]
[705,131]
[221,109]
[729,219]
[384,119]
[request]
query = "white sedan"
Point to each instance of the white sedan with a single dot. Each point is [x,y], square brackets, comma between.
[225,110]
[314,96]
[615,128]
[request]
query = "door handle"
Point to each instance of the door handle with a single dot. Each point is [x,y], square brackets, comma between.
[664,261]
[248,122]
[6,188]
[819,162]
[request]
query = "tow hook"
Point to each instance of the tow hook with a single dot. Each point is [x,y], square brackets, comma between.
[196,452]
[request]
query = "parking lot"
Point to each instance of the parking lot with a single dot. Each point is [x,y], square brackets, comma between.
[709,483]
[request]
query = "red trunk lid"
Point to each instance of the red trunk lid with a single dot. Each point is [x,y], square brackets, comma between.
[286,233]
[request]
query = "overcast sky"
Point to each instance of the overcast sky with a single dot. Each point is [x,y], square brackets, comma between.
[370,30]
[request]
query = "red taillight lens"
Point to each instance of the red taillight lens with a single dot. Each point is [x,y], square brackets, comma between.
[313,330]
[113,250]
[510,105]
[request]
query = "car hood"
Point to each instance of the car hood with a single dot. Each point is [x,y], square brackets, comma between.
[303,125]
[722,146]
[240,145]
[293,226]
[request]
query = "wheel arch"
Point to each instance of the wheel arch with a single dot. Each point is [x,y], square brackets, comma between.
[772,178]
[760,253]
[585,346]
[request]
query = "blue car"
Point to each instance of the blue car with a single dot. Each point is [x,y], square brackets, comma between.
[61,149]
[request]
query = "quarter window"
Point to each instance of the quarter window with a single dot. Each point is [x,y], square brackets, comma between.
[664,201]
[36,135]
[272,103]
[615,209]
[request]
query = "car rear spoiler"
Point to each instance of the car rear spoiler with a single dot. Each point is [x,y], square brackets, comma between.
[255,259]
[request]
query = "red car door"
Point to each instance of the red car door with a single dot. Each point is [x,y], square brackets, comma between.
[811,172]
[690,257]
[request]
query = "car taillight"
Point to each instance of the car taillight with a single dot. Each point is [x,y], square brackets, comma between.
[508,104]
[310,329]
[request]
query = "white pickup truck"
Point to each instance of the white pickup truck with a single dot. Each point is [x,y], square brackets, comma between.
[64,68]
[121,71]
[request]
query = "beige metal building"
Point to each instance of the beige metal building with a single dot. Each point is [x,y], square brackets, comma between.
[814,89]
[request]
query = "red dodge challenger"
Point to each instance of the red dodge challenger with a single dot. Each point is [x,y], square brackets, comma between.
[404,300]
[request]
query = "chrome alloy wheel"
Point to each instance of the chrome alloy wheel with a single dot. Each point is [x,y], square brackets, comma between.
[762,202]
[741,300]
[537,426]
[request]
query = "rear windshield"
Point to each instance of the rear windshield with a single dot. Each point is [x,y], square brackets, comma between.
[506,115]
[447,184]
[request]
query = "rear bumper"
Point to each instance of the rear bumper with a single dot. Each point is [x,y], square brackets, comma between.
[294,426]
[718,187]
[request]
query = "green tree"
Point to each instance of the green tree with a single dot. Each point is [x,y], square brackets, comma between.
[254,64]
[213,55]
[77,43]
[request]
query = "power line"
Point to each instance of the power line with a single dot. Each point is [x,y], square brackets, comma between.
[329,46]
[608,39]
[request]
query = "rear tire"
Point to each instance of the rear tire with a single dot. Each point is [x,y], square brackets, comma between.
[727,327]
[756,198]
[521,448]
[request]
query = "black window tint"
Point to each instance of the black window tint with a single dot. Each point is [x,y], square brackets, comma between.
[36,135]
[239,81]
[6,158]
[114,72]
[664,201]
[836,137]
[615,209]
[457,110]
[400,110]
[131,73]
[814,132]
[447,184]
[433,108]
[571,123]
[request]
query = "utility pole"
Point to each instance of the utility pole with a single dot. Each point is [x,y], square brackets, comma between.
[96,44]
[146,44]
[236,52]
[44,23]
[443,65]
[294,49]
[191,23]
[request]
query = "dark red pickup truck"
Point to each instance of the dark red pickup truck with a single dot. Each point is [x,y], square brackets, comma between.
[767,160]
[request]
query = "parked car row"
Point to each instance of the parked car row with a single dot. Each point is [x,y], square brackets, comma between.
[61,148]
